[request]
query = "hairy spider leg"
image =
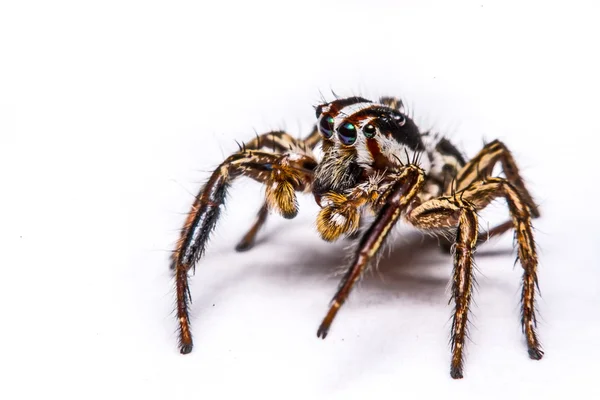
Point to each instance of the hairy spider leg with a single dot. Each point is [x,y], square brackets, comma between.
[401,193]
[247,241]
[482,166]
[282,176]
[313,139]
[278,142]
[443,213]
[519,199]
[520,212]
[392,102]
[460,209]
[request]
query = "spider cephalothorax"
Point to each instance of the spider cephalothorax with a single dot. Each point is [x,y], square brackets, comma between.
[360,136]
[375,158]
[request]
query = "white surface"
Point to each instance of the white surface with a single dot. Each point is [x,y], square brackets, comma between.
[111,115]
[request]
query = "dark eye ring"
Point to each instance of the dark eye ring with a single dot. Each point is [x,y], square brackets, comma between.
[326,126]
[347,133]
[369,130]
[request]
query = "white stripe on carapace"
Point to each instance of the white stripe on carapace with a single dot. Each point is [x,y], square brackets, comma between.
[351,110]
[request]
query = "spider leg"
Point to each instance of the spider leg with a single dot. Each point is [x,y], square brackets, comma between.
[495,231]
[278,142]
[392,102]
[313,138]
[247,241]
[483,237]
[460,210]
[482,166]
[401,193]
[281,142]
[481,195]
[446,212]
[282,176]
[446,245]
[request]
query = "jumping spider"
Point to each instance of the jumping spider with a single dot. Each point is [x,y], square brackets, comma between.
[376,159]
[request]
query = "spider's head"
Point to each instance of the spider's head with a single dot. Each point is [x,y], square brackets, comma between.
[353,124]
[360,136]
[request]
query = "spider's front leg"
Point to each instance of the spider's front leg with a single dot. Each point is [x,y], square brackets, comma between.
[400,194]
[283,174]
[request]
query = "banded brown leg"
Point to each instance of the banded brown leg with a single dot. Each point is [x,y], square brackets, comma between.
[450,211]
[401,194]
[481,194]
[482,165]
[282,176]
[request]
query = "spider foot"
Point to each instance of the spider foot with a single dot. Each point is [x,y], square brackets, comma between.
[244,245]
[535,353]
[456,372]
[323,330]
[326,324]
[186,348]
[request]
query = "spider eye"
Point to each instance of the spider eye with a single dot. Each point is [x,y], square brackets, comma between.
[347,133]
[369,130]
[326,126]
[399,118]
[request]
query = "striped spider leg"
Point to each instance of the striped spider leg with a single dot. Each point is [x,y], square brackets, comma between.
[460,174]
[460,210]
[399,195]
[481,166]
[285,168]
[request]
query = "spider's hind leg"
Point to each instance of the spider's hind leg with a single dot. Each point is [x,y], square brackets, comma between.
[247,241]
[282,174]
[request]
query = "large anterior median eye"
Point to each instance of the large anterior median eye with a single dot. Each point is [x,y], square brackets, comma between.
[326,126]
[347,133]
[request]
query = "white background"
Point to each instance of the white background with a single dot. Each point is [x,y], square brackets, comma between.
[112,113]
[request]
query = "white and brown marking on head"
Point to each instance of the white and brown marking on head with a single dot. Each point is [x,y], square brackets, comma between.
[380,136]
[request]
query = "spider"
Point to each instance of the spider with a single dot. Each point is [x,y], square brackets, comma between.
[375,159]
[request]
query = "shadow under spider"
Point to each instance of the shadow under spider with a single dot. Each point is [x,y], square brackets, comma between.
[411,264]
